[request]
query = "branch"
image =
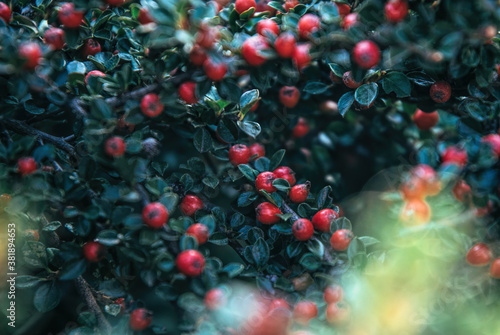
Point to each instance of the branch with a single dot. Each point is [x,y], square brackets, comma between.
[286,209]
[84,290]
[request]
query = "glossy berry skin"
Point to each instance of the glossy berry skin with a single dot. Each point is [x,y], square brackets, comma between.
[304,311]
[440,92]
[267,26]
[239,154]
[151,105]
[454,155]
[91,48]
[349,81]
[289,4]
[190,263]
[5,12]
[494,141]
[341,239]
[308,24]
[190,205]
[144,16]
[155,215]
[462,191]
[414,188]
[187,92]
[257,150]
[94,73]
[207,36]
[285,45]
[396,10]
[31,53]
[415,212]
[54,37]
[301,57]
[479,255]
[266,213]
[199,231]
[140,319]
[343,9]
[299,193]
[289,96]
[26,166]
[214,299]
[284,172]
[333,294]
[278,303]
[337,315]
[70,17]
[429,177]
[264,181]
[301,129]
[115,146]
[251,50]
[244,5]
[197,56]
[303,229]
[495,269]
[323,219]
[94,251]
[425,121]
[366,54]
[215,71]
[349,21]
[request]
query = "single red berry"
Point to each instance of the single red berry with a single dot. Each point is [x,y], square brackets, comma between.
[454,155]
[495,269]
[396,10]
[190,263]
[116,3]
[70,17]
[462,191]
[304,311]
[31,53]
[425,121]
[197,56]
[415,212]
[91,48]
[429,177]
[94,251]
[215,299]
[244,5]
[207,36]
[239,154]
[264,181]
[140,319]
[366,54]
[26,166]
[333,294]
[479,255]
[299,193]
[303,229]
[440,92]
[252,48]
[94,73]
[494,141]
[323,219]
[257,150]
[267,26]
[266,213]
[115,146]
[414,188]
[187,92]
[199,231]
[144,16]
[336,314]
[5,12]
[301,57]
[54,37]
[155,215]
[343,9]
[214,70]
[278,303]
[285,45]
[289,96]
[289,4]
[349,81]
[284,172]
[349,21]
[190,205]
[151,105]
[308,24]
[301,128]
[341,239]
[31,235]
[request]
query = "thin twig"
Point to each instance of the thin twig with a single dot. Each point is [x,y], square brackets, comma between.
[286,209]
[84,290]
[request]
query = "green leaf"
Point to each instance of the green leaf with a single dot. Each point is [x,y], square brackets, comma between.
[315,87]
[310,262]
[250,128]
[368,240]
[316,247]
[323,197]
[248,172]
[366,94]
[284,228]
[281,184]
[260,252]
[337,69]
[345,102]
[73,269]
[211,182]
[276,159]
[398,83]
[47,297]
[188,242]
[248,99]
[202,140]
[233,269]
[341,223]
[108,237]
[26,281]
[219,239]
[246,198]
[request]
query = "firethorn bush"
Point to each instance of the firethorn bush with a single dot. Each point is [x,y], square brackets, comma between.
[251,167]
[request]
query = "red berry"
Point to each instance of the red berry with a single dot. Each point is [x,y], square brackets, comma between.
[301,128]
[267,26]
[197,56]
[239,154]
[115,146]
[349,21]
[429,177]
[494,141]
[214,70]
[304,311]
[199,231]
[151,105]
[91,48]
[140,319]
[396,10]
[155,215]
[415,212]
[187,92]
[303,229]
[495,269]
[440,92]
[94,251]
[244,5]
[190,205]
[5,12]
[482,211]
[31,53]
[414,188]
[454,155]
[70,17]
[301,57]
[425,121]
[289,96]
[257,150]
[26,166]
[289,4]
[266,213]
[190,263]
[323,219]
[479,255]
[264,181]
[366,54]
[343,9]
[252,48]
[333,294]
[55,38]
[341,239]
[349,81]
[116,3]
[337,315]
[278,303]
[307,25]
[461,191]
[94,73]
[262,6]
[31,234]
[144,16]
[285,45]
[207,36]
[299,193]
[284,172]
[215,299]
